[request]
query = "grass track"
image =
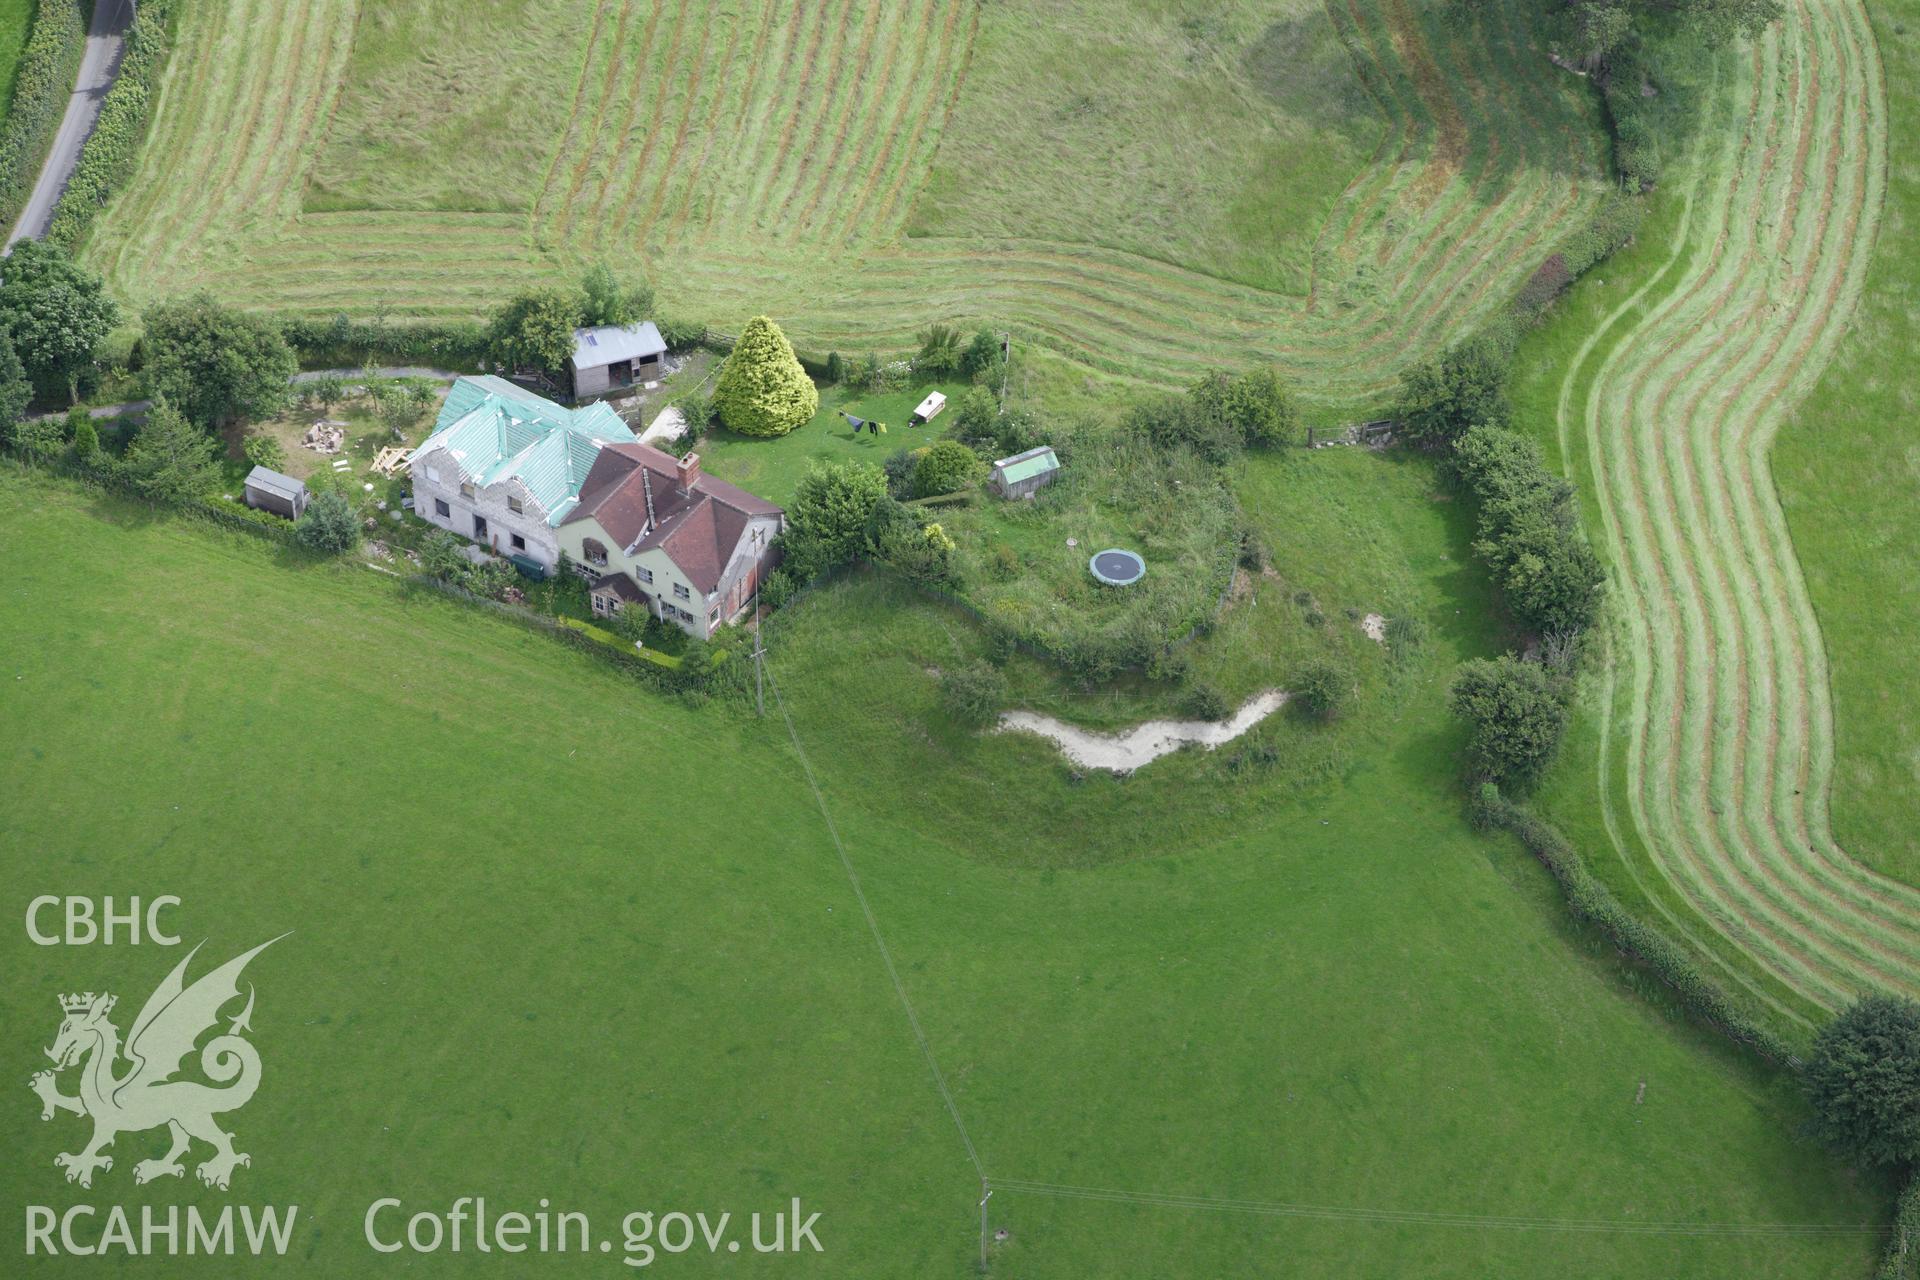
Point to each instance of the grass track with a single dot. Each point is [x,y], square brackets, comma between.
[795,190]
[1720,716]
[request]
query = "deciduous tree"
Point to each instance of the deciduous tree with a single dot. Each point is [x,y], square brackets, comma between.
[534,330]
[56,311]
[216,365]
[607,299]
[1515,717]
[1864,1080]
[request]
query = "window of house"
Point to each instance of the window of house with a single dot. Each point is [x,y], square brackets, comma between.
[513,505]
[646,575]
[433,475]
[479,526]
[440,507]
[595,553]
[681,593]
[466,490]
[519,543]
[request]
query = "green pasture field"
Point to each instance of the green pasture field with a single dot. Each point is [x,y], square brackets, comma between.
[16,20]
[556,935]
[1137,192]
[1847,466]
[1726,394]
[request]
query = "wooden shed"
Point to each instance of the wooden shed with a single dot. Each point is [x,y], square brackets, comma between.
[1024,474]
[280,494]
[608,358]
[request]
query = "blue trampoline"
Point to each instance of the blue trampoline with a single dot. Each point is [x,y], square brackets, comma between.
[1117,568]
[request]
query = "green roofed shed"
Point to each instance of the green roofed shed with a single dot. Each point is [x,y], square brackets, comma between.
[1024,474]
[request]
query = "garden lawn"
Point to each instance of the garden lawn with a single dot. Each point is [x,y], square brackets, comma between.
[555,935]
[772,467]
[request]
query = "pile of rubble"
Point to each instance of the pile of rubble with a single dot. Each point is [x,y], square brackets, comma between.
[326,437]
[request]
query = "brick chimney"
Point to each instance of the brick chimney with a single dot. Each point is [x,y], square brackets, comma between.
[689,472]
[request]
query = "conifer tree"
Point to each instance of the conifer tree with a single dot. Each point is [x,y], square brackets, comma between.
[762,390]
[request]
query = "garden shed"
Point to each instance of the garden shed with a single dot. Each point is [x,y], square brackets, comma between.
[280,494]
[610,358]
[1024,474]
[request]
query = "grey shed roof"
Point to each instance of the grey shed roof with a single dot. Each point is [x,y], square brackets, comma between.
[275,483]
[608,343]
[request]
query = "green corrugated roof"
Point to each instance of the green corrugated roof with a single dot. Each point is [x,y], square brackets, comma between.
[1025,466]
[496,430]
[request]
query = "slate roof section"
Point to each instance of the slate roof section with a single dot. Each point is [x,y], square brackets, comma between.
[495,430]
[619,586]
[609,344]
[634,492]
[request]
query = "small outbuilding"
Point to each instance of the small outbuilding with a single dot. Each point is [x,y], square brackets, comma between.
[1024,474]
[608,358]
[929,409]
[270,491]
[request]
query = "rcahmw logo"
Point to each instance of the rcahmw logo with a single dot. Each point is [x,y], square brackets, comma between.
[147,1092]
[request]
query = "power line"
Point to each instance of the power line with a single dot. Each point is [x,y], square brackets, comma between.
[1220,1204]
[873,926]
[1412,1217]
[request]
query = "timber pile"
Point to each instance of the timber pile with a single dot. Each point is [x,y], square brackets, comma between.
[390,459]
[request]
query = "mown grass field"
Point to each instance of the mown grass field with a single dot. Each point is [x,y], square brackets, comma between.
[500,983]
[1711,744]
[1138,193]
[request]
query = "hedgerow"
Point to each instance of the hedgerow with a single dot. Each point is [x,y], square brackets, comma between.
[1592,901]
[345,342]
[48,67]
[1903,1244]
[1549,578]
[108,157]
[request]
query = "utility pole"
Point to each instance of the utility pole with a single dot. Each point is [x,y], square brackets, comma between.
[986,1194]
[759,650]
[1006,359]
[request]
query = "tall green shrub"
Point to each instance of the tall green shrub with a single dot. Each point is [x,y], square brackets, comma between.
[762,390]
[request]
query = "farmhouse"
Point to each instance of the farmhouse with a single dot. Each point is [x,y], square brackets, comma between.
[504,466]
[268,490]
[611,358]
[1024,474]
[652,530]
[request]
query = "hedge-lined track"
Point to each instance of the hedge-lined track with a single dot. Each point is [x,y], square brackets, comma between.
[791,189]
[1724,716]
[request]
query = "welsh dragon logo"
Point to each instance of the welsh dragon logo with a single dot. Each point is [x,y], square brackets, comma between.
[146,1095]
